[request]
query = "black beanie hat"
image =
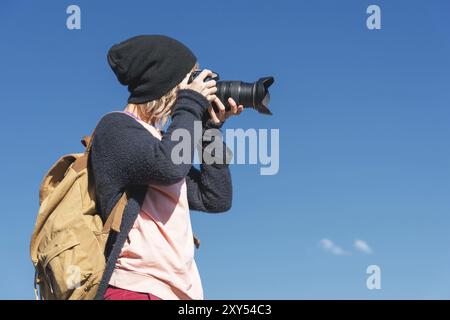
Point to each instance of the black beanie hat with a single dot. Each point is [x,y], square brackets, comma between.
[150,65]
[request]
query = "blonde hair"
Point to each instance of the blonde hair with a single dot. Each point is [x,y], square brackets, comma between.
[157,112]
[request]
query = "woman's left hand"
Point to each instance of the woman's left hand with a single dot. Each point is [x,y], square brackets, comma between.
[222,115]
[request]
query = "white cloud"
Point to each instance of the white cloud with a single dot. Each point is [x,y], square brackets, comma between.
[362,246]
[330,246]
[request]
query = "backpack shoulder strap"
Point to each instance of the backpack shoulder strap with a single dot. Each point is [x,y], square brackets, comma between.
[114,219]
[82,162]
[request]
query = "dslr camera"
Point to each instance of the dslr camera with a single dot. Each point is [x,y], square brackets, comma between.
[251,95]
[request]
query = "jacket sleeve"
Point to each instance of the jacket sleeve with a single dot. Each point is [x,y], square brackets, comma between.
[210,189]
[123,150]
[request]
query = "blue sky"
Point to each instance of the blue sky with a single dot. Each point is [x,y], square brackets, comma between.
[364,136]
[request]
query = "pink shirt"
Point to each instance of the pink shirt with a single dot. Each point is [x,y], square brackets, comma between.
[158,256]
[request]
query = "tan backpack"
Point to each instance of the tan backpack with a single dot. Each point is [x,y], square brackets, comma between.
[68,242]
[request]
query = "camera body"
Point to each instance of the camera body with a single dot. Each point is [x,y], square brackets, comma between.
[196,73]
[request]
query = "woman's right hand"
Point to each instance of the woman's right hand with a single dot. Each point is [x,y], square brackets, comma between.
[207,89]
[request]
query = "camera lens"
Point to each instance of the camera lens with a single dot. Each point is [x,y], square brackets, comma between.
[250,95]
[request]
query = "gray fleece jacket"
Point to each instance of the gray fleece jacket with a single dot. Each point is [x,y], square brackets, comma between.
[125,156]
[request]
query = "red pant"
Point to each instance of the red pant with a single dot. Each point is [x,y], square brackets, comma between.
[114,293]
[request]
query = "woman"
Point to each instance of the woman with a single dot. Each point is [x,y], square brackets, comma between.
[152,257]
